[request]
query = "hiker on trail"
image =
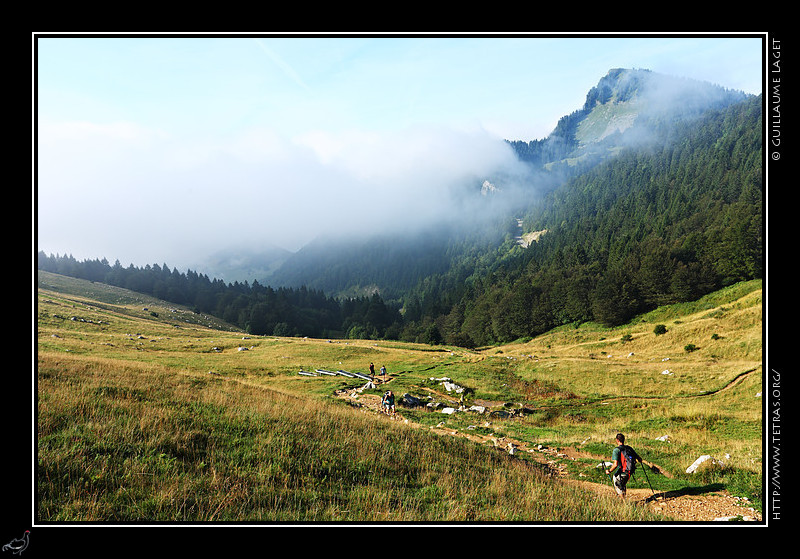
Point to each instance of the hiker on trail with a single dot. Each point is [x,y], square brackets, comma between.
[388,403]
[383,372]
[372,372]
[624,461]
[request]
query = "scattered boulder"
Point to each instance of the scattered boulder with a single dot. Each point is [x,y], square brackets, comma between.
[702,460]
[696,464]
[453,387]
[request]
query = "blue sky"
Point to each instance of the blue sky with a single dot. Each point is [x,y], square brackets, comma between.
[160,150]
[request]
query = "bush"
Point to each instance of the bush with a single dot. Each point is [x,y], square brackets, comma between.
[659,329]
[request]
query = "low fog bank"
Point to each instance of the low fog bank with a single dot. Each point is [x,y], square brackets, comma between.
[142,197]
[139,195]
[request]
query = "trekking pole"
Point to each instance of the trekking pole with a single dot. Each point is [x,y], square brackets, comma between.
[644,469]
[610,479]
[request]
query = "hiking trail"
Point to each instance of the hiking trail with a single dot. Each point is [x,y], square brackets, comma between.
[690,505]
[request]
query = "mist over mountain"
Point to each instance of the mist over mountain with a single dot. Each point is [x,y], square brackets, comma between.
[650,194]
[624,110]
[627,109]
[243,262]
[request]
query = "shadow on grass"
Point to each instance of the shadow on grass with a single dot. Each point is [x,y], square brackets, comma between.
[696,490]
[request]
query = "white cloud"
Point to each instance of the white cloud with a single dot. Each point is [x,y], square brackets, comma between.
[158,198]
[149,149]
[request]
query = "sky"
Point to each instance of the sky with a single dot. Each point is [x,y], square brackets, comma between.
[165,149]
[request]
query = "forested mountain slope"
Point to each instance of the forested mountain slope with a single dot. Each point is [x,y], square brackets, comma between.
[628,109]
[651,226]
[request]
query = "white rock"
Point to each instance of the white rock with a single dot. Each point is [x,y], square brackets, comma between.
[697,463]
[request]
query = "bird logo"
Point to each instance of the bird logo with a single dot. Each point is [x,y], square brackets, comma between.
[18,545]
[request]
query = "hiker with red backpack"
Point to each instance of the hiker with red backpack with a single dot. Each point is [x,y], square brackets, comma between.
[624,461]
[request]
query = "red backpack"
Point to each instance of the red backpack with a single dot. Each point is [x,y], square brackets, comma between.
[627,459]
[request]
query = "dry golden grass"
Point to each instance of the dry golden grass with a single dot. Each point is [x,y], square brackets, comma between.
[145,418]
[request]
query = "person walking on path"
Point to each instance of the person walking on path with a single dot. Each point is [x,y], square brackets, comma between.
[383,372]
[624,462]
[372,372]
[388,403]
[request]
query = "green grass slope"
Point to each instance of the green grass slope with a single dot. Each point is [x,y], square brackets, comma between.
[159,415]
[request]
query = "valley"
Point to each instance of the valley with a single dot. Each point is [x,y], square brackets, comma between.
[612,282]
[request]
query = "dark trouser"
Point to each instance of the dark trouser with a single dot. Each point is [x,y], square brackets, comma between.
[620,482]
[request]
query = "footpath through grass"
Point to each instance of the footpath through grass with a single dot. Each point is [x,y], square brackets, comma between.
[147,414]
[124,442]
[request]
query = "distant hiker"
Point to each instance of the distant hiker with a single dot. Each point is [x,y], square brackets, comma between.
[624,461]
[372,371]
[388,402]
[383,372]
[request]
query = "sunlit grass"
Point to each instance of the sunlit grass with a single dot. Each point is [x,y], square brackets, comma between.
[132,442]
[150,418]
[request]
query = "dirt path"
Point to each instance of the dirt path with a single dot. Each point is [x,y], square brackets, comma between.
[686,505]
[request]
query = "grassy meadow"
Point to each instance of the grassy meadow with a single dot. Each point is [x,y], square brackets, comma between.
[150,413]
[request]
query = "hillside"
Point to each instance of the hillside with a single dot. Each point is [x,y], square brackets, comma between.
[147,417]
[649,227]
[632,121]
[624,110]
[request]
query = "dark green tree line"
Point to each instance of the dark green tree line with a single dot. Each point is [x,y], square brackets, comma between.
[253,307]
